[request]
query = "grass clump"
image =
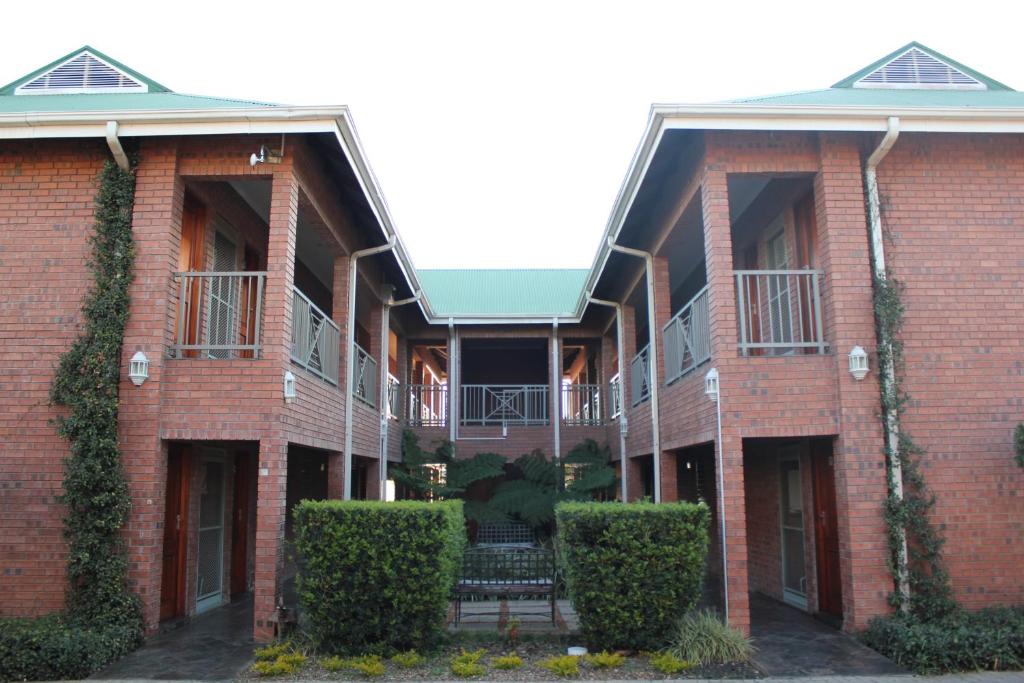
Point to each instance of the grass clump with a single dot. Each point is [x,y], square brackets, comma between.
[507,662]
[605,660]
[565,666]
[333,663]
[371,667]
[668,663]
[407,659]
[702,638]
[271,652]
[467,664]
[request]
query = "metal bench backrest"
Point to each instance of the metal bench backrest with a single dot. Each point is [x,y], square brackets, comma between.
[499,566]
[504,533]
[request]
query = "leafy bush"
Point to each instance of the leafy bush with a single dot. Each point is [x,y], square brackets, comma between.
[369,666]
[467,664]
[703,638]
[507,662]
[668,663]
[605,660]
[564,666]
[269,652]
[54,648]
[632,569]
[284,664]
[961,641]
[267,668]
[407,659]
[377,575]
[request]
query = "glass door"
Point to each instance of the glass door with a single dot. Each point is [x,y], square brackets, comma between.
[794,580]
[210,553]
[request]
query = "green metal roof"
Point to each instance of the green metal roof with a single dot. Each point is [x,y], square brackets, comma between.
[158,101]
[503,292]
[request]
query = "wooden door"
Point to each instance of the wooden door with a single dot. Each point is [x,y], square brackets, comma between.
[172,585]
[806,227]
[826,529]
[240,523]
[190,259]
[247,326]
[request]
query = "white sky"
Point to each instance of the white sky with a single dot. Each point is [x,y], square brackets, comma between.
[500,132]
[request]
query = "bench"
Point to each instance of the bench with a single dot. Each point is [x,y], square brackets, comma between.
[506,571]
[493,534]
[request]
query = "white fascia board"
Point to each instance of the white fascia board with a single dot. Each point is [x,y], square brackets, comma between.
[505,320]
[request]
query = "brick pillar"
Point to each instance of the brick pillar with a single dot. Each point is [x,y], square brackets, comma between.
[156,230]
[718,251]
[273,459]
[376,346]
[634,484]
[625,376]
[662,314]
[339,291]
[859,451]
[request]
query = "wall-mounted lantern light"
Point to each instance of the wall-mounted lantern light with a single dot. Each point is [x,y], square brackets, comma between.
[858,362]
[289,386]
[138,368]
[711,384]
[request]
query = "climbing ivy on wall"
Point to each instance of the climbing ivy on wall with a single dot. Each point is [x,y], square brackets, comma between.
[930,594]
[1018,441]
[86,384]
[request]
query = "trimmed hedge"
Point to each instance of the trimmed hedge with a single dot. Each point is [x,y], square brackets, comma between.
[377,577]
[51,648]
[961,641]
[632,569]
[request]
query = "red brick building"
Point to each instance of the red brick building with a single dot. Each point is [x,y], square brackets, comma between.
[290,341]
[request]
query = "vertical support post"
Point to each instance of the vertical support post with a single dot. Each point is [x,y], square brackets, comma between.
[556,390]
[453,381]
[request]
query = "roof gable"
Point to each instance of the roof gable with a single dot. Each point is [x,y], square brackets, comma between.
[917,67]
[83,71]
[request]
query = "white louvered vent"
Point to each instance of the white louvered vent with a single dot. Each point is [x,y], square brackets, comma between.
[916,69]
[83,73]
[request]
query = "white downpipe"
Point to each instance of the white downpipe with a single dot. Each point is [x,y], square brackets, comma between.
[350,360]
[385,336]
[888,370]
[114,143]
[623,426]
[453,379]
[652,365]
[719,466]
[556,389]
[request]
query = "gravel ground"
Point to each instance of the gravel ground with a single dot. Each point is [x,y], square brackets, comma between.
[436,666]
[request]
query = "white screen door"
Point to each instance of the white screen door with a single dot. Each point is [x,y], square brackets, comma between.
[210,553]
[794,580]
[223,309]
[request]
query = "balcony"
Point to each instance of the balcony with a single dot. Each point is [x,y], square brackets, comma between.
[504,404]
[219,315]
[640,376]
[582,405]
[427,405]
[779,312]
[614,402]
[315,338]
[364,386]
[687,338]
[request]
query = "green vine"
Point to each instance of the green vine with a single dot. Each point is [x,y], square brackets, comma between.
[906,518]
[86,383]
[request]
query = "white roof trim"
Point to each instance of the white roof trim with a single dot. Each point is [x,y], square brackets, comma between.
[82,73]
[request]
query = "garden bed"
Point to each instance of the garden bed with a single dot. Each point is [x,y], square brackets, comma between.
[437,666]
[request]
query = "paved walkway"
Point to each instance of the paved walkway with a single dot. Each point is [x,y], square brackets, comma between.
[793,643]
[534,616]
[212,647]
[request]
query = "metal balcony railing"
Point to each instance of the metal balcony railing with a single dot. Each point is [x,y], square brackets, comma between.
[427,405]
[364,385]
[581,404]
[687,338]
[394,397]
[615,405]
[504,404]
[640,376]
[220,314]
[779,312]
[315,338]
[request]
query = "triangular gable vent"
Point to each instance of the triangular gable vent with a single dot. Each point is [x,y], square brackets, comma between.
[916,69]
[83,73]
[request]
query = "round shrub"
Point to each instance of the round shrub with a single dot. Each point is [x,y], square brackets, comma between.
[632,569]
